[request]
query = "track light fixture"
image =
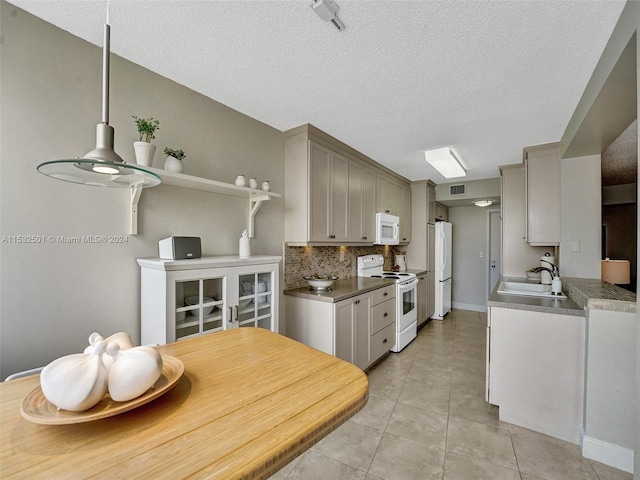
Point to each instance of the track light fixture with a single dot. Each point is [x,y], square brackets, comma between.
[327,10]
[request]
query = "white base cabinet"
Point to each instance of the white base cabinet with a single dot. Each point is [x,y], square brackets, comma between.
[359,330]
[535,370]
[186,298]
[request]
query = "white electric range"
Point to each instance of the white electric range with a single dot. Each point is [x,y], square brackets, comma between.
[406,297]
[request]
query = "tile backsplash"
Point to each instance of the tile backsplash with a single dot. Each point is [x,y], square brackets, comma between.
[301,261]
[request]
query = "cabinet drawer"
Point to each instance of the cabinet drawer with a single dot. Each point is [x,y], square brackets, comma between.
[383,294]
[383,341]
[382,315]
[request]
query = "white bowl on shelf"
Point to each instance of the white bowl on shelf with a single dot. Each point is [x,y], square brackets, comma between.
[249,287]
[195,300]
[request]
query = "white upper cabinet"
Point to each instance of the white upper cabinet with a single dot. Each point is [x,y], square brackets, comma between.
[542,172]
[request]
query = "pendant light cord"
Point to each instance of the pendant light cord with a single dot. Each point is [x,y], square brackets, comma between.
[105,69]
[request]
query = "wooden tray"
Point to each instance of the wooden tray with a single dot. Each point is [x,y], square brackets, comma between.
[37,409]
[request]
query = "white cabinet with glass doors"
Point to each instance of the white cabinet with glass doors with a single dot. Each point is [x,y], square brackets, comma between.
[186,298]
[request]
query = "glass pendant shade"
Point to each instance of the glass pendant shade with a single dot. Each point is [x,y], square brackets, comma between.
[102,166]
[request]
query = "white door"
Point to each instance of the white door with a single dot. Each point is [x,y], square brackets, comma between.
[494,248]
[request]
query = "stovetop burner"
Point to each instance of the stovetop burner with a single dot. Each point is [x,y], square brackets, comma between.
[371,266]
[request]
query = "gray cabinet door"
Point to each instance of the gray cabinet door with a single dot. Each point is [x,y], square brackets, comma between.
[319,172]
[431,274]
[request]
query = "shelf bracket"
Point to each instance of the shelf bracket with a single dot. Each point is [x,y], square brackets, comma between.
[255,201]
[133,219]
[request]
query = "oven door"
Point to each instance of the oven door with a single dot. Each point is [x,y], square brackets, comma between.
[407,298]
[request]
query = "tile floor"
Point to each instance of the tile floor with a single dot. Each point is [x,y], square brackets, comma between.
[427,419]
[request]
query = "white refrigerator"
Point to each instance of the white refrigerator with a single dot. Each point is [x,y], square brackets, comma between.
[443,270]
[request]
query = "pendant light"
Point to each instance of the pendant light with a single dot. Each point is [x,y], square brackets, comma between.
[102,166]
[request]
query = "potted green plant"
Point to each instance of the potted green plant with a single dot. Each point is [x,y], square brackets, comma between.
[173,163]
[144,149]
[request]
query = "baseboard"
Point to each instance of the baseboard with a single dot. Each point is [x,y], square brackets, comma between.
[469,306]
[607,453]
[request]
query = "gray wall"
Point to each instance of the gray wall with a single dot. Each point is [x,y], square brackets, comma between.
[581,217]
[469,238]
[53,295]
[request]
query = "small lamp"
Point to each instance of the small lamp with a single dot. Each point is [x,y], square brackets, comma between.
[616,271]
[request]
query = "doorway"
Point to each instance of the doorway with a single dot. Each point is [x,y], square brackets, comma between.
[494,249]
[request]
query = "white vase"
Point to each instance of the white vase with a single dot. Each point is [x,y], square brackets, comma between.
[144,153]
[173,164]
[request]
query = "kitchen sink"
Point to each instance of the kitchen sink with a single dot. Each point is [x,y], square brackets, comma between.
[527,289]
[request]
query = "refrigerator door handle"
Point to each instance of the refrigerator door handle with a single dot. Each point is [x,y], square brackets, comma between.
[443,262]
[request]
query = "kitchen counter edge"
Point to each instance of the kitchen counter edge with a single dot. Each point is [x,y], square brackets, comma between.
[583,293]
[341,289]
[534,304]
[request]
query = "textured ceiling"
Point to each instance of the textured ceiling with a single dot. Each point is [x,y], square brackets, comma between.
[620,159]
[486,77]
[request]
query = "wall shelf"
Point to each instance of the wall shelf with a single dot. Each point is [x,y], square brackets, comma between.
[255,196]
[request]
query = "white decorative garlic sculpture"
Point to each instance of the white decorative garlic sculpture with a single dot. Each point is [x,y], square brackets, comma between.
[121,338]
[76,382]
[133,371]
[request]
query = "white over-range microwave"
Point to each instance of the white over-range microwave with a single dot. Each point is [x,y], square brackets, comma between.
[387,229]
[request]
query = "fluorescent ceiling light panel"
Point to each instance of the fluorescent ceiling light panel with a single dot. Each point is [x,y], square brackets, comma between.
[483,203]
[445,162]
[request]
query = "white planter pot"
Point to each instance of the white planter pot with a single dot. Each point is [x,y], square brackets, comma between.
[144,153]
[172,164]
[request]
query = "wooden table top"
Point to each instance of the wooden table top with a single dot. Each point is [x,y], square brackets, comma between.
[250,401]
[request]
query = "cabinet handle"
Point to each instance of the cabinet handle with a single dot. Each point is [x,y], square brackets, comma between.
[385,314]
[384,341]
[385,294]
[230,319]
[235,310]
[404,239]
[387,211]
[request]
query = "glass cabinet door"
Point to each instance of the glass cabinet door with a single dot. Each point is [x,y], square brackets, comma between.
[200,306]
[255,307]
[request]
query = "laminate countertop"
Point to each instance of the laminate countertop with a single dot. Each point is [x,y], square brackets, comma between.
[535,304]
[341,289]
[249,402]
[583,293]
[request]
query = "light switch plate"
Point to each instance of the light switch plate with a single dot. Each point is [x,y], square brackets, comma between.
[575,245]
